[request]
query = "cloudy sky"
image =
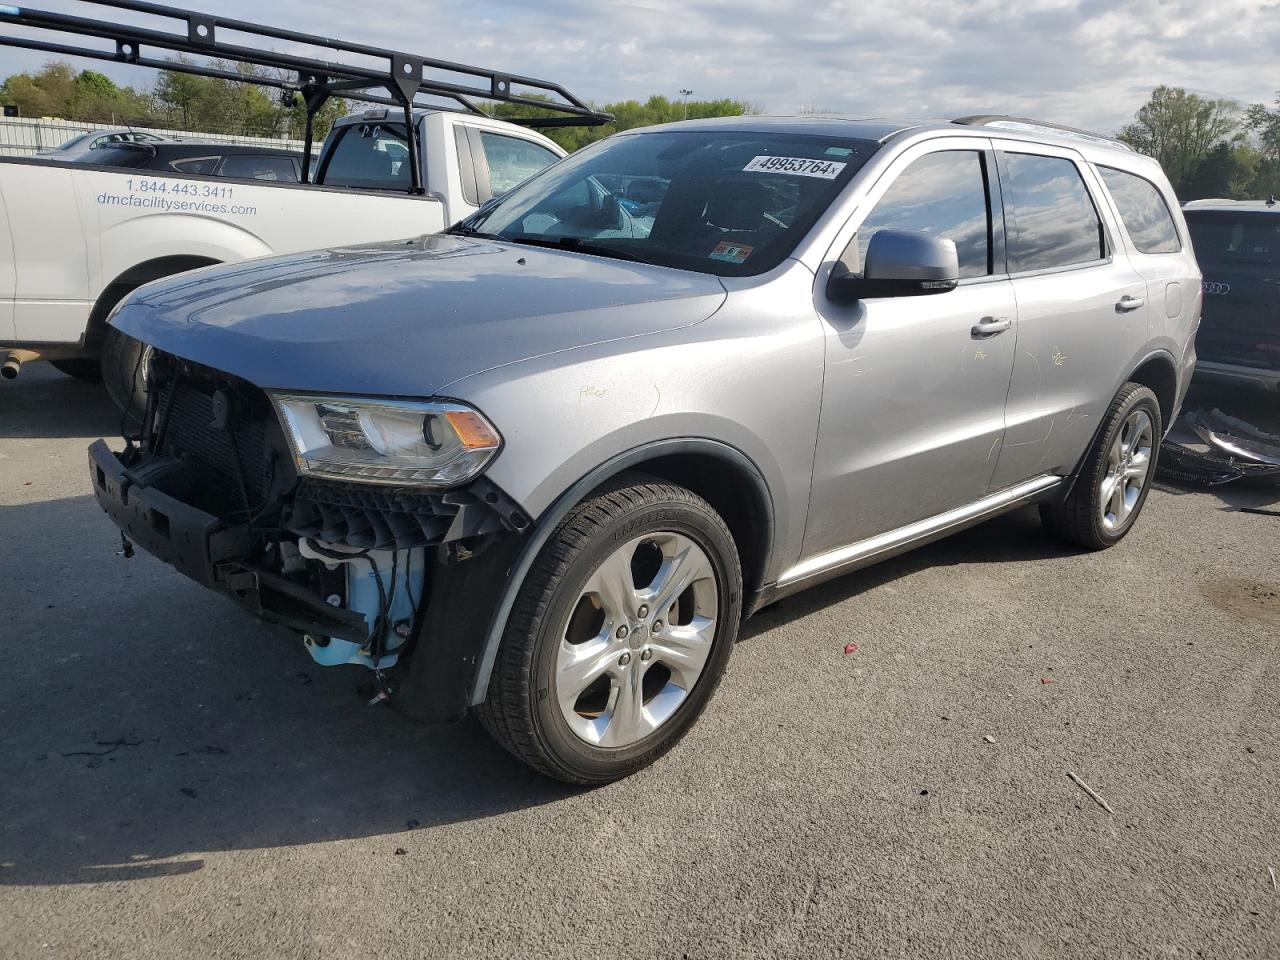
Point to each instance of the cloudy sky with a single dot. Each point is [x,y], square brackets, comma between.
[1089,63]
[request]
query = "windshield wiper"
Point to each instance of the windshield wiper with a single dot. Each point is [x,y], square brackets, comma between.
[577,245]
[458,230]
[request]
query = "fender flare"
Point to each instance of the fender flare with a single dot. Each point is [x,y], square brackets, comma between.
[1064,490]
[553,515]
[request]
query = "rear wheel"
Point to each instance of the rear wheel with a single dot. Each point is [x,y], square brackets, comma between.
[619,635]
[1113,486]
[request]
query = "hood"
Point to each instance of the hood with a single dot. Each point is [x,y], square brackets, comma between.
[406,318]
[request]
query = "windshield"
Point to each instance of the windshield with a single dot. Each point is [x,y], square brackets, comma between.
[731,203]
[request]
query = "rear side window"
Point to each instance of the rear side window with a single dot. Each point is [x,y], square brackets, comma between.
[371,156]
[1143,210]
[249,167]
[512,159]
[201,166]
[1049,215]
[944,194]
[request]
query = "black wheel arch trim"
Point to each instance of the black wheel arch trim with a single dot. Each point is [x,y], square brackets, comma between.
[551,517]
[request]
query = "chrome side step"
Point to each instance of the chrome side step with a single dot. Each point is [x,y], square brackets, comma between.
[865,552]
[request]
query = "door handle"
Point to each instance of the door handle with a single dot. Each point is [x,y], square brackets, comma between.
[990,326]
[1128,303]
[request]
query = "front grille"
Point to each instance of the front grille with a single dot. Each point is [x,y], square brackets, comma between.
[380,518]
[217,428]
[368,517]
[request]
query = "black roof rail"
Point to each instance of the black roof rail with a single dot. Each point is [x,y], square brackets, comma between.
[1025,124]
[403,76]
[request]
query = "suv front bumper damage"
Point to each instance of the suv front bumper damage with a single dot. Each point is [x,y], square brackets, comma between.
[470,561]
[210,551]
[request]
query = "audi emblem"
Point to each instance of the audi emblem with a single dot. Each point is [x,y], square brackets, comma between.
[1213,287]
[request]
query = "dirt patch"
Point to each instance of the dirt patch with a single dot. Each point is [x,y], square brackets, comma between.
[1250,601]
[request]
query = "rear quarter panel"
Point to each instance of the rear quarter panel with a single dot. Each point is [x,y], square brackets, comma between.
[1174,293]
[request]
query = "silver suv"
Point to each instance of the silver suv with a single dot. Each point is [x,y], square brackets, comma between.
[542,465]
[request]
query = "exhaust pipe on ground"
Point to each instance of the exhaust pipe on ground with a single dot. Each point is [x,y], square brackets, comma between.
[13,363]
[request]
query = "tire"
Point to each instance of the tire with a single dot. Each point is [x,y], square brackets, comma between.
[634,526]
[1116,477]
[88,369]
[124,374]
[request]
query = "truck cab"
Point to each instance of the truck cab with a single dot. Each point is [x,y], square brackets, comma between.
[465,160]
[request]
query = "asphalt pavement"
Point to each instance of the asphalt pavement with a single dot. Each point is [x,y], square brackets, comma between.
[177,780]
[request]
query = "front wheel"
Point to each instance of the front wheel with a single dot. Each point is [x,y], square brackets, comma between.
[619,634]
[1116,477]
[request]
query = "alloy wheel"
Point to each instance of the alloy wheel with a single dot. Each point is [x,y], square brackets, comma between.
[637,639]
[1128,469]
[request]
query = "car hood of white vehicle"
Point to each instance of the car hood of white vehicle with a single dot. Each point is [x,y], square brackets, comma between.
[407,318]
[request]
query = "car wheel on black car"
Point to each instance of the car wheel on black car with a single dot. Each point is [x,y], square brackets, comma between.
[619,634]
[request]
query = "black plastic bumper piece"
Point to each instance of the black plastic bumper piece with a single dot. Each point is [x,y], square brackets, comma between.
[452,633]
[210,551]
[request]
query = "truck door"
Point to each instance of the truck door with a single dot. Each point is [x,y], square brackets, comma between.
[491,163]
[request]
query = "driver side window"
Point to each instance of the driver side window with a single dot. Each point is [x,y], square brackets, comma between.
[944,194]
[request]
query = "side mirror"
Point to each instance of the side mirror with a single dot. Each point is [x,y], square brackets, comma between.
[900,263]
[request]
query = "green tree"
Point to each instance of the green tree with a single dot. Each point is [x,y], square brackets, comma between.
[179,94]
[58,91]
[330,112]
[1227,170]
[43,94]
[1180,128]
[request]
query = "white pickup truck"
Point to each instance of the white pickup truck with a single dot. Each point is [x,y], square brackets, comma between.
[74,238]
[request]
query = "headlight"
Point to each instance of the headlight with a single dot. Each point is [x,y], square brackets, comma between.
[435,444]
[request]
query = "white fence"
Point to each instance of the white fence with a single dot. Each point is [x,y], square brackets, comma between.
[25,136]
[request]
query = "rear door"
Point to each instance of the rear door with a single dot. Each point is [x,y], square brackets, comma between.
[1239,254]
[1081,309]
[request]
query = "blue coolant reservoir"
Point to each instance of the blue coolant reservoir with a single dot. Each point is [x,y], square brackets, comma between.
[402,594]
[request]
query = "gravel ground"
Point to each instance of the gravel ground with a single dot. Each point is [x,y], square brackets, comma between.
[177,780]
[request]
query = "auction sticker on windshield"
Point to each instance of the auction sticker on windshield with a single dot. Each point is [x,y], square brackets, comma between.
[801,166]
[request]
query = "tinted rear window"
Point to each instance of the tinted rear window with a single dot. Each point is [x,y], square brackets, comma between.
[373,156]
[1221,238]
[1049,214]
[252,167]
[1145,214]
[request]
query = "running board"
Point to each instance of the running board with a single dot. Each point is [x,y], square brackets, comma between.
[866,552]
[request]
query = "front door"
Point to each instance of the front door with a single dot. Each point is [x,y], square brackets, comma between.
[913,398]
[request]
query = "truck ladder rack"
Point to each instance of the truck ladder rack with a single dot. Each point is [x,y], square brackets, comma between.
[403,76]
